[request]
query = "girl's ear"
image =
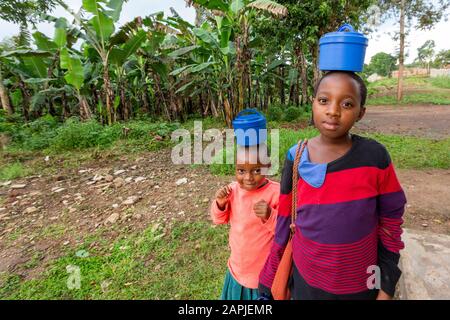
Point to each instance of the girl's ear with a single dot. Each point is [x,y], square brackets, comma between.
[362,112]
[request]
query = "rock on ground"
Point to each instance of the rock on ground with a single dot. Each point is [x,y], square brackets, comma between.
[425,263]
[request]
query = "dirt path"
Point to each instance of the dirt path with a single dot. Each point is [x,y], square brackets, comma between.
[429,121]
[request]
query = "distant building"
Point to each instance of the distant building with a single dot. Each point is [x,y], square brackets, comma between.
[440,72]
[408,72]
[374,77]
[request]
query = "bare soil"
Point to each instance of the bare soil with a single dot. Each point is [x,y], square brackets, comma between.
[428,121]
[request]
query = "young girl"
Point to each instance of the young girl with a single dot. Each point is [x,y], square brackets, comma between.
[349,205]
[250,205]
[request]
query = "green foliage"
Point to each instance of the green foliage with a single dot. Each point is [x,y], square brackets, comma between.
[415,153]
[382,63]
[440,82]
[46,133]
[438,98]
[442,59]
[274,113]
[187,264]
[292,113]
[13,171]
[76,135]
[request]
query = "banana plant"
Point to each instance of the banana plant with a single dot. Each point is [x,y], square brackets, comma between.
[99,33]
[228,40]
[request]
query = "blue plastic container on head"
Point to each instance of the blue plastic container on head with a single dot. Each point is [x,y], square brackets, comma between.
[250,127]
[342,50]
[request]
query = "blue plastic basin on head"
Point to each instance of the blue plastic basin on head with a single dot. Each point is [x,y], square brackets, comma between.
[250,127]
[342,50]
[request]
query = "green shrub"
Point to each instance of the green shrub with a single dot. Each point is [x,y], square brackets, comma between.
[440,82]
[274,113]
[76,135]
[292,114]
[13,171]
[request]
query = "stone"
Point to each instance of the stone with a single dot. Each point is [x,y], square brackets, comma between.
[57,190]
[97,177]
[18,186]
[30,210]
[131,200]
[139,179]
[116,173]
[118,182]
[109,178]
[425,263]
[112,218]
[181,181]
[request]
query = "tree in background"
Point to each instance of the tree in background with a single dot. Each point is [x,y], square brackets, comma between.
[383,64]
[442,59]
[22,12]
[425,54]
[420,14]
[297,37]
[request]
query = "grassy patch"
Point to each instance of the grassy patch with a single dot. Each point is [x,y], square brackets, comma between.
[440,82]
[188,263]
[13,171]
[415,153]
[383,92]
[53,231]
[435,97]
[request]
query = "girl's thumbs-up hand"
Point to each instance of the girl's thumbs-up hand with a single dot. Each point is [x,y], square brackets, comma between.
[262,210]
[222,196]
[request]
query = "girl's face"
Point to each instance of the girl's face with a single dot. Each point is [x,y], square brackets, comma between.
[337,105]
[249,175]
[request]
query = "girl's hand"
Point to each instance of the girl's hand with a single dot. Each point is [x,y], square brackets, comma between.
[383,296]
[262,210]
[222,196]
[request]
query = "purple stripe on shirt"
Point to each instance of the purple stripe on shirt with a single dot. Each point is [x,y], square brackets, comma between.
[282,230]
[392,205]
[338,223]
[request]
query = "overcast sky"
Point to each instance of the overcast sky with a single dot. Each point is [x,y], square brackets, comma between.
[380,41]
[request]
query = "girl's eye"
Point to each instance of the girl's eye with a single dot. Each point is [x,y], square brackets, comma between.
[322,100]
[348,104]
[240,171]
[257,171]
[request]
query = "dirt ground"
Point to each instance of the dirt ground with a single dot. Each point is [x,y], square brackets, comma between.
[428,121]
[48,213]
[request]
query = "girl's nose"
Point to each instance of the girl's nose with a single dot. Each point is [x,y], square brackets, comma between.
[333,110]
[248,176]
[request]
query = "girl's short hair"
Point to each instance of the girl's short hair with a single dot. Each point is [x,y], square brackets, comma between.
[354,76]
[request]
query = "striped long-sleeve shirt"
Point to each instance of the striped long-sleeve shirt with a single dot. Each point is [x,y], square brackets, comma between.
[345,223]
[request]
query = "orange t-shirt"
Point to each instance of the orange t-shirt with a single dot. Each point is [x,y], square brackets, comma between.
[250,239]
